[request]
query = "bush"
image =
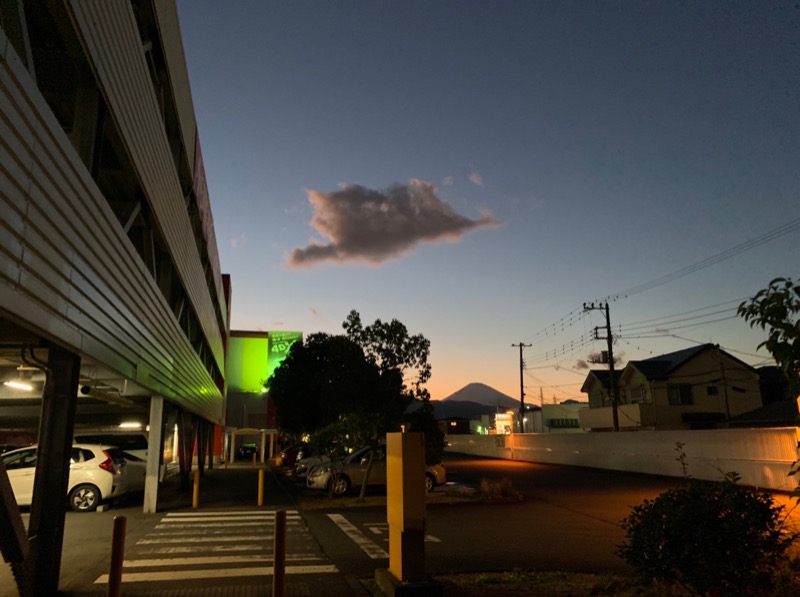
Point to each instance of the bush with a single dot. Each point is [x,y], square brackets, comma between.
[715,538]
[499,491]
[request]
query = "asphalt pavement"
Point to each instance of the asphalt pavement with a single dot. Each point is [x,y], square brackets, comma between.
[223,547]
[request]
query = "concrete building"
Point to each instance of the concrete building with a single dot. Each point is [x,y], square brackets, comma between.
[112,302]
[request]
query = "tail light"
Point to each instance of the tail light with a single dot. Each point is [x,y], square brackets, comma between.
[108,464]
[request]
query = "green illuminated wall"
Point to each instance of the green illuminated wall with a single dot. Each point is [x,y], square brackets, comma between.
[253,356]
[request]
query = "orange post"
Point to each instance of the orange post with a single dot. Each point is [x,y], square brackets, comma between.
[261,487]
[196,489]
[117,557]
[279,555]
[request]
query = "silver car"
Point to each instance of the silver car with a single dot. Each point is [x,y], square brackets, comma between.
[351,472]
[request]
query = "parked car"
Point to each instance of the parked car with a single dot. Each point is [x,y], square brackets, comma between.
[247,450]
[306,462]
[96,474]
[291,454]
[351,472]
[130,442]
[136,471]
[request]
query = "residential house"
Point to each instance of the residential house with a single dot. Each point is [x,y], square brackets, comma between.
[696,388]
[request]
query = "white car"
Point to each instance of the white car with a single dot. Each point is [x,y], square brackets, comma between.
[96,474]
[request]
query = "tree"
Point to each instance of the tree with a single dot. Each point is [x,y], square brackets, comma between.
[330,387]
[392,348]
[776,309]
[321,379]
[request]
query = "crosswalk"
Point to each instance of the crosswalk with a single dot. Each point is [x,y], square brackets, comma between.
[376,544]
[219,546]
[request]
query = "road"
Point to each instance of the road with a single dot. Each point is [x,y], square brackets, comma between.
[568,520]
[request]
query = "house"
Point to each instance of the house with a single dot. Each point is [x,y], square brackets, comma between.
[696,388]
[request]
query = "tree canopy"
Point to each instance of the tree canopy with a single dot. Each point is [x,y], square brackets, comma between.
[776,309]
[355,387]
[390,347]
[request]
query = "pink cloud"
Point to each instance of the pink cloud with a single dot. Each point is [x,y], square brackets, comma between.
[365,225]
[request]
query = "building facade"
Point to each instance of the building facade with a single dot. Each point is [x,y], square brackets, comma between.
[112,301]
[697,388]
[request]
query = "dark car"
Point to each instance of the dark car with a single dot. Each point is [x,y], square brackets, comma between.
[290,455]
[247,450]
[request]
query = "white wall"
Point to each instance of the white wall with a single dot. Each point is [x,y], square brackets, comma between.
[762,457]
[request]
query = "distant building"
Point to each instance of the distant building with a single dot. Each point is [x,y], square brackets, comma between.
[250,414]
[562,418]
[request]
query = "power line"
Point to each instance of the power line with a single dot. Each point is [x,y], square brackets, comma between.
[709,261]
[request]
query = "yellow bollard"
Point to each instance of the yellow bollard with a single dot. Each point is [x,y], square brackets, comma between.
[261,487]
[196,489]
[117,556]
[279,555]
[254,460]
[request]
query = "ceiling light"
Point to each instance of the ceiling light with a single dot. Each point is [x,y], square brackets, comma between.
[19,385]
[130,425]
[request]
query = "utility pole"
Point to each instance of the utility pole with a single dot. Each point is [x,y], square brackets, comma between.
[521,388]
[603,308]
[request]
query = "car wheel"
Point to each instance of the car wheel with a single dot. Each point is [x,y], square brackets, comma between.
[430,482]
[84,498]
[339,485]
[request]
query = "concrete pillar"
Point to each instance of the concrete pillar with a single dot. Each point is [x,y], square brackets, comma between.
[56,427]
[155,449]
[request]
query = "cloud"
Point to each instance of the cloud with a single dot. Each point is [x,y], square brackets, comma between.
[476,178]
[238,240]
[448,181]
[314,311]
[365,225]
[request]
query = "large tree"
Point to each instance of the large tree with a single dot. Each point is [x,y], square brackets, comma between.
[328,388]
[776,309]
[389,346]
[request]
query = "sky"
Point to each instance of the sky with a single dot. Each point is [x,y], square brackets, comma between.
[481,170]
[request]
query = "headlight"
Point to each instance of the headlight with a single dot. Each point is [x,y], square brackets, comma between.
[318,471]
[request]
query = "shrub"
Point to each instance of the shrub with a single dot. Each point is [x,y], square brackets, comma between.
[499,490]
[715,538]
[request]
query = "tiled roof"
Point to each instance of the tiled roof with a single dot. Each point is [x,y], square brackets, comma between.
[662,365]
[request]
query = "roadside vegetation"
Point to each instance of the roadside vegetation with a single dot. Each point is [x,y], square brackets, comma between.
[347,391]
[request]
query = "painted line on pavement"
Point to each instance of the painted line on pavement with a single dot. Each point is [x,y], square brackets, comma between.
[221,573]
[167,539]
[367,546]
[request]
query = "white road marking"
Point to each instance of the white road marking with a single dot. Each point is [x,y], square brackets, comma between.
[204,549]
[432,539]
[368,547]
[227,513]
[167,539]
[202,525]
[206,560]
[220,573]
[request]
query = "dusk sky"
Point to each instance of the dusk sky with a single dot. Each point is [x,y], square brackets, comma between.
[479,170]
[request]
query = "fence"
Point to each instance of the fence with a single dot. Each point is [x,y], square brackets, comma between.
[761,457]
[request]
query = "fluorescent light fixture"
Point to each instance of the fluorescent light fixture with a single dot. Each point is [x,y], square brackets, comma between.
[19,385]
[130,425]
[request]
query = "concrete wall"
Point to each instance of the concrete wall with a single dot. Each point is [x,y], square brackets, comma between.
[762,457]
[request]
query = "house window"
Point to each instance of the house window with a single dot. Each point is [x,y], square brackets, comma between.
[679,395]
[712,390]
[638,395]
[562,423]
